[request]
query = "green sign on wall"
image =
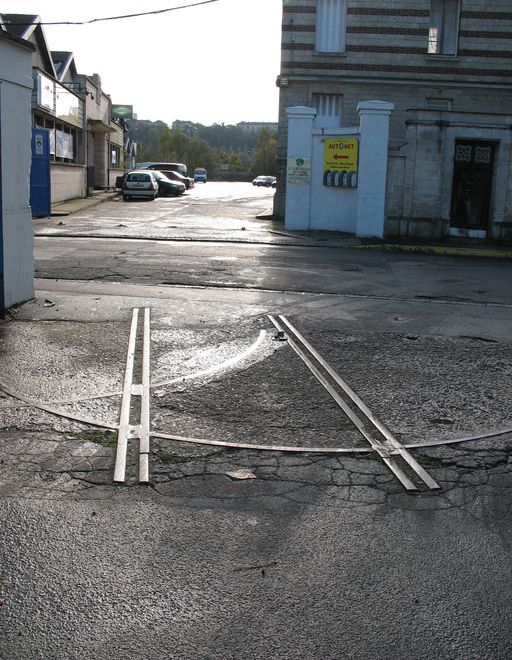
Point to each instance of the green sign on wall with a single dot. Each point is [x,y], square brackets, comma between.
[122,111]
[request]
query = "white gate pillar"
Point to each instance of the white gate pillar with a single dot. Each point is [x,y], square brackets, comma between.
[300,148]
[373,163]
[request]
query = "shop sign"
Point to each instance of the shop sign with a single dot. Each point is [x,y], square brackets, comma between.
[122,111]
[340,162]
[340,155]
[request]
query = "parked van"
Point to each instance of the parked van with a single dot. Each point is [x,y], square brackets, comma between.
[200,174]
[173,167]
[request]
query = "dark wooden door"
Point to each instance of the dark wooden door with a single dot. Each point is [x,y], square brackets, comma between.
[472,184]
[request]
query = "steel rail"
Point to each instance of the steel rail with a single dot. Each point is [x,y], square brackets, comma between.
[27,402]
[124,418]
[145,398]
[377,446]
[141,431]
[30,403]
[395,444]
[387,450]
[163,383]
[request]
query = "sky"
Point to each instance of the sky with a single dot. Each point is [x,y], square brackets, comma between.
[211,63]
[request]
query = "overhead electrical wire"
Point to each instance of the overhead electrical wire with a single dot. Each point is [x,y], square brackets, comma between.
[116,18]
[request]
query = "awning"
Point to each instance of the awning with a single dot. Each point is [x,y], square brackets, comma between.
[99,126]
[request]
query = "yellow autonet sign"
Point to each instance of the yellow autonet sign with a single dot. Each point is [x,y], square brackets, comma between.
[340,155]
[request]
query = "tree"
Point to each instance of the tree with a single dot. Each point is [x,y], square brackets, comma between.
[178,147]
[264,159]
[173,145]
[235,162]
[147,136]
[206,146]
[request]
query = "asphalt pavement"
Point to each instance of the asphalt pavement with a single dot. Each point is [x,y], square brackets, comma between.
[234,551]
[449,247]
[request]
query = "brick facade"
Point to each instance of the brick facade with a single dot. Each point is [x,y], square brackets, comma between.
[439,99]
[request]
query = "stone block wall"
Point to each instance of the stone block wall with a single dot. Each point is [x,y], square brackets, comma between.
[386,58]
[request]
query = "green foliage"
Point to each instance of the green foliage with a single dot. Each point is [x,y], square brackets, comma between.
[178,147]
[234,163]
[264,158]
[206,146]
[147,136]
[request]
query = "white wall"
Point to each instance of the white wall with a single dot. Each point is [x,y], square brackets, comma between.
[310,205]
[15,127]
[67,181]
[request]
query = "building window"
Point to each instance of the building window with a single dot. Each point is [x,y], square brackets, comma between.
[330,26]
[443,33]
[115,156]
[439,104]
[328,105]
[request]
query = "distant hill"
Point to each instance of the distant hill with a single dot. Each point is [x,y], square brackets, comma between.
[240,138]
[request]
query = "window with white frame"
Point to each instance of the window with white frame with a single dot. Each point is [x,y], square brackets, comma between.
[115,156]
[329,105]
[443,34]
[331,19]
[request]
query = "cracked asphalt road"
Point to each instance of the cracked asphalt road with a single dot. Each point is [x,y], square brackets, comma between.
[317,556]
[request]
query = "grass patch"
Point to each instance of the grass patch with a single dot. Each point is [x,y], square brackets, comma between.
[167,457]
[430,461]
[103,438]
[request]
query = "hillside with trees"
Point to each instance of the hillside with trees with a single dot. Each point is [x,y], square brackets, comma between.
[227,152]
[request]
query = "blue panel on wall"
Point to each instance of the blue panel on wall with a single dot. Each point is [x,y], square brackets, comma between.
[40,189]
[2,296]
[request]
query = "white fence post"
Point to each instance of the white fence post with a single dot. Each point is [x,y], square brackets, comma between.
[373,163]
[298,176]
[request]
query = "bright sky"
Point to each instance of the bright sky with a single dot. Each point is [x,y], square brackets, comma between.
[212,63]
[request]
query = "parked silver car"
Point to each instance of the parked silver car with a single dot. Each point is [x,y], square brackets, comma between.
[265,181]
[140,183]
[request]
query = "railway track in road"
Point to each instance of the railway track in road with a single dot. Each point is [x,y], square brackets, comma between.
[134,425]
[390,450]
[381,440]
[139,430]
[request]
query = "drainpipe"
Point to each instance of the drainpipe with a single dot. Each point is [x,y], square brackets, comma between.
[2,297]
[108,161]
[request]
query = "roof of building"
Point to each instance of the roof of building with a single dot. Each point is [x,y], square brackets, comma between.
[63,61]
[28,26]
[20,25]
[4,34]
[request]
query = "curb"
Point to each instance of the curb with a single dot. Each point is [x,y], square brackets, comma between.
[80,203]
[441,250]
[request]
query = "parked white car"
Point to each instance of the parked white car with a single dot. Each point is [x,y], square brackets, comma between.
[140,183]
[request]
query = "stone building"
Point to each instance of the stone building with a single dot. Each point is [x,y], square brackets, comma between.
[445,67]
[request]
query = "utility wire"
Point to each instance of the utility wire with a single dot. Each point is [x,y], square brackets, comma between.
[116,18]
